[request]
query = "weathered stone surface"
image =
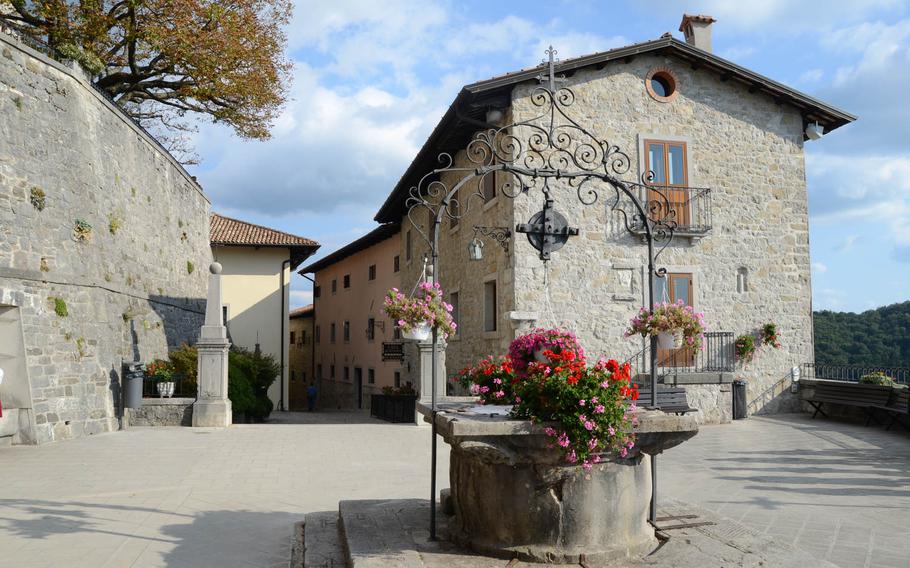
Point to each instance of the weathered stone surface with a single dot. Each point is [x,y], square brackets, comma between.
[322,544]
[127,288]
[393,534]
[161,412]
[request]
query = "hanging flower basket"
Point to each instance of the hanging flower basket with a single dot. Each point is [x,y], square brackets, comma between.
[416,315]
[675,325]
[668,340]
[420,332]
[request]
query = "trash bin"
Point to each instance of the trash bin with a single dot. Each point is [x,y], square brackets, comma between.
[739,399]
[133,375]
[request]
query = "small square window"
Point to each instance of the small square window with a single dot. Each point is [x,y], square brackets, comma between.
[371,272]
[347,280]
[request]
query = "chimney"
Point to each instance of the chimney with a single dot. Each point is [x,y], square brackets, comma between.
[697,30]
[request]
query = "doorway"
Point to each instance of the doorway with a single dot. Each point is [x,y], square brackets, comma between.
[17,421]
[358,386]
[675,287]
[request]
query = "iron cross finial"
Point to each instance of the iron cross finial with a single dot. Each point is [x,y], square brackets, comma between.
[550,78]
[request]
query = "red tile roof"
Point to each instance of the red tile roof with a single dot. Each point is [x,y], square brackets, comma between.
[231,232]
[305,311]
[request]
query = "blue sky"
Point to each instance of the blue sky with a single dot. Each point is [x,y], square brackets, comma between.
[371,80]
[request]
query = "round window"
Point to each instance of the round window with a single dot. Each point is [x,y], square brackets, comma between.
[661,85]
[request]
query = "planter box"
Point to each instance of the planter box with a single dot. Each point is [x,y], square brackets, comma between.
[393,407]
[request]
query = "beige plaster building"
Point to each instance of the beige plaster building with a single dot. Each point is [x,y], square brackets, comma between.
[358,349]
[257,263]
[725,143]
[301,351]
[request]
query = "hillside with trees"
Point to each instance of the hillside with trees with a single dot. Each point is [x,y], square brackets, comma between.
[874,337]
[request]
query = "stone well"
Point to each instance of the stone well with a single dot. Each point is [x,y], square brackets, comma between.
[514,497]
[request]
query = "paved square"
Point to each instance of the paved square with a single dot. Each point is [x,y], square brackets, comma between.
[182,497]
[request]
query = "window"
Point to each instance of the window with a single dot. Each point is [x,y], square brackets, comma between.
[371,376]
[489,305]
[407,246]
[453,299]
[332,371]
[319,371]
[667,168]
[397,263]
[332,333]
[742,279]
[317,334]
[347,280]
[488,187]
[334,285]
[292,338]
[371,329]
[347,373]
[303,337]
[371,272]
[346,330]
[293,375]
[661,84]
[397,379]
[317,291]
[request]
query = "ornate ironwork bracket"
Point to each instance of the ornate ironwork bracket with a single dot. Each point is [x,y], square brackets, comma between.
[502,235]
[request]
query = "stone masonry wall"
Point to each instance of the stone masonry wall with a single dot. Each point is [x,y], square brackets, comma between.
[743,146]
[132,287]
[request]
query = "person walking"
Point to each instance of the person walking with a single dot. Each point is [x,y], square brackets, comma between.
[311,397]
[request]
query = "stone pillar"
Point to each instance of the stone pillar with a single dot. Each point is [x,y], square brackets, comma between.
[425,371]
[212,406]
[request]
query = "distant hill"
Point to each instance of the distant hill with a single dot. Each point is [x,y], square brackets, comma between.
[874,337]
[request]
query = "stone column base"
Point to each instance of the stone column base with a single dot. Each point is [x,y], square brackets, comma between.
[212,413]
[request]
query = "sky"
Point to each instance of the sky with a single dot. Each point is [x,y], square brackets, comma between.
[371,79]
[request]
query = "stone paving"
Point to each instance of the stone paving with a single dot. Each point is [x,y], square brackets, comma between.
[182,497]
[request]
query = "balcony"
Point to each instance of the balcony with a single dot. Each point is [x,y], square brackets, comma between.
[691,207]
[712,365]
[393,351]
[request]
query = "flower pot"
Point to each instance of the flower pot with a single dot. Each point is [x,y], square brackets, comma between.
[667,340]
[539,356]
[420,332]
[165,389]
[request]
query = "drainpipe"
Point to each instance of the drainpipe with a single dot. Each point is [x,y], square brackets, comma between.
[284,319]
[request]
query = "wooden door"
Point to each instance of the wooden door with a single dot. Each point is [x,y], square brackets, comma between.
[669,168]
[673,288]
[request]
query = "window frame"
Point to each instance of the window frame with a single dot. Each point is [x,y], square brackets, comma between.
[371,329]
[346,331]
[647,142]
[495,320]
[346,282]
[371,272]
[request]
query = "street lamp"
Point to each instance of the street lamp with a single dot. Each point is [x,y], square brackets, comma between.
[475,249]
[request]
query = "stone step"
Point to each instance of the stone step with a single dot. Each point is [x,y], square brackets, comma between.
[320,545]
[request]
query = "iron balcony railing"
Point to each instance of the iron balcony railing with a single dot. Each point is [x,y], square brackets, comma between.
[393,351]
[183,388]
[853,373]
[717,356]
[691,207]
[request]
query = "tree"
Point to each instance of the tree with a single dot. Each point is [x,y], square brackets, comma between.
[879,337]
[162,59]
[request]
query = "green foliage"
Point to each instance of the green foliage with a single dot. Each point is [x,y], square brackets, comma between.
[89,61]
[82,230]
[184,361]
[190,267]
[44,266]
[745,347]
[60,307]
[80,348]
[18,102]
[879,337]
[38,198]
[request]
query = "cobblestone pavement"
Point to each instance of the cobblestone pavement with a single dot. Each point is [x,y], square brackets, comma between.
[183,497]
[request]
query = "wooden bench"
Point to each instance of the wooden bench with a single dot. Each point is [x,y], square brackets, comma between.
[671,400]
[866,397]
[898,406]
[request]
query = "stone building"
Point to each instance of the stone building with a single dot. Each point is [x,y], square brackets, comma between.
[301,351]
[256,279]
[358,350]
[727,145]
[104,245]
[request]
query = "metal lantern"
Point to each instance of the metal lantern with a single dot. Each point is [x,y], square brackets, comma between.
[475,249]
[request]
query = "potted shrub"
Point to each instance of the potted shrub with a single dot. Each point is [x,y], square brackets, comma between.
[878,378]
[162,372]
[532,346]
[417,315]
[745,347]
[675,325]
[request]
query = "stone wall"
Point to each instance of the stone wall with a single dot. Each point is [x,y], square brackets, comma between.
[161,412]
[131,286]
[745,147]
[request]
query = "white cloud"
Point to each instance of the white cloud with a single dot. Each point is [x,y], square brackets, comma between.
[811,76]
[300,298]
[819,267]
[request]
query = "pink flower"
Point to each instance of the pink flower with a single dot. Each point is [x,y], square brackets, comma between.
[623,453]
[589,425]
[571,457]
[563,440]
[549,431]
[599,409]
[497,381]
[594,399]
[633,407]
[499,394]
[582,418]
[587,465]
[605,384]
[611,430]
[484,390]
[581,402]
